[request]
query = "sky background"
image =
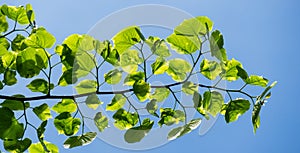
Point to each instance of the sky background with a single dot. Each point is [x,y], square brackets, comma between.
[263,35]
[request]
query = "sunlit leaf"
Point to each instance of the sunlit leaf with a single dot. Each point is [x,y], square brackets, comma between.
[31,61]
[3,24]
[215,103]
[142,90]
[117,102]
[78,43]
[93,101]
[66,124]
[159,66]
[126,38]
[200,105]
[257,80]
[113,76]
[86,86]
[216,45]
[152,107]
[158,46]
[230,70]
[129,61]
[101,121]
[189,88]
[182,130]
[210,69]
[40,39]
[195,26]
[84,139]
[133,77]
[43,112]
[40,85]
[160,94]
[15,13]
[184,45]
[65,105]
[136,134]
[10,77]
[178,69]
[235,108]
[125,120]
[18,43]
[169,116]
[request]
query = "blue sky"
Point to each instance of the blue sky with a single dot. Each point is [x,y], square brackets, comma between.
[263,35]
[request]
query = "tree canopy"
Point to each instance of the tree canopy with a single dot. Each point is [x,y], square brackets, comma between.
[29,52]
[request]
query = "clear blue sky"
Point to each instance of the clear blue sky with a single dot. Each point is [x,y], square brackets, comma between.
[262,34]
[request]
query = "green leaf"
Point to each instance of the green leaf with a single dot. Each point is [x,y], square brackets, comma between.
[101,121]
[15,13]
[256,117]
[129,61]
[184,45]
[200,105]
[38,148]
[158,46]
[10,128]
[67,78]
[40,39]
[16,146]
[30,13]
[152,107]
[235,108]
[257,80]
[9,60]
[43,112]
[3,24]
[136,134]
[116,103]
[18,43]
[15,104]
[160,66]
[10,77]
[160,94]
[127,38]
[141,89]
[30,62]
[41,129]
[242,73]
[178,69]
[78,43]
[231,70]
[85,63]
[189,88]
[257,107]
[1,85]
[216,45]
[210,69]
[66,124]
[169,116]
[86,86]
[40,85]
[113,76]
[92,101]
[82,140]
[125,120]
[110,55]
[195,26]
[65,105]
[216,102]
[182,130]
[133,77]
[4,44]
